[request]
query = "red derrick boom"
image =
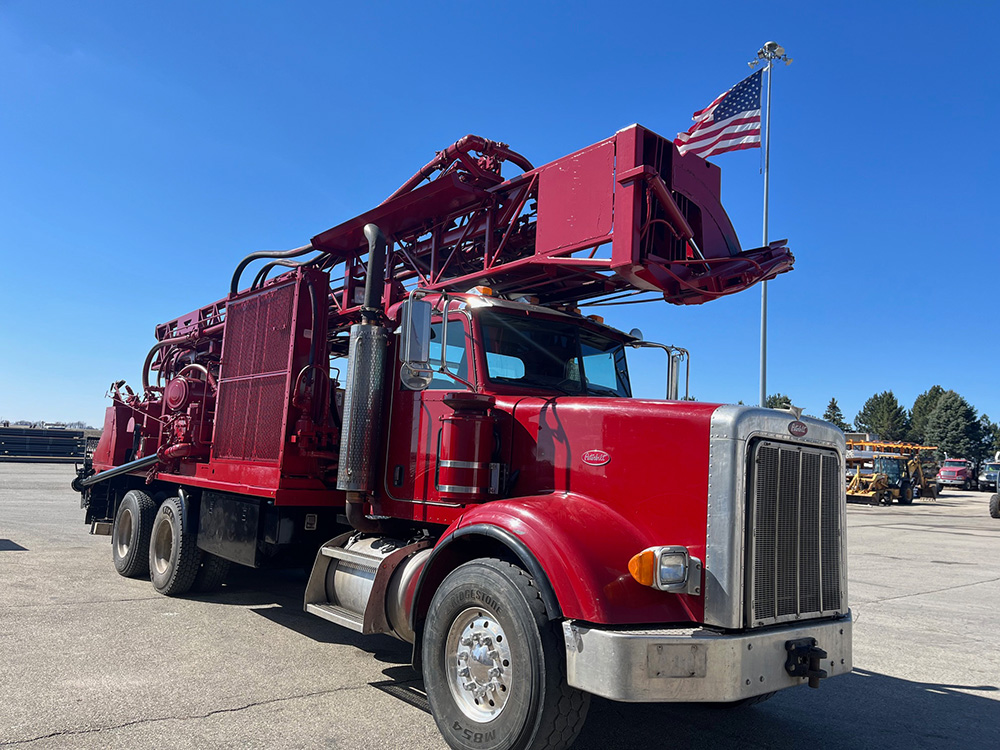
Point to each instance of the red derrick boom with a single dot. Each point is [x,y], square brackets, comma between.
[626,214]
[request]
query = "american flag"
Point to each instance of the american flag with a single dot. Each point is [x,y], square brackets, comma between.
[730,123]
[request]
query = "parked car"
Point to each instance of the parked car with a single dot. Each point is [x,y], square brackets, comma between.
[957,472]
[988,476]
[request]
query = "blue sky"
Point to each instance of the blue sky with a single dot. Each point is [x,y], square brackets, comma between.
[147,147]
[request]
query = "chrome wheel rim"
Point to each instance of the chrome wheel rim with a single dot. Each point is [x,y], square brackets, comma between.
[479,665]
[163,542]
[123,533]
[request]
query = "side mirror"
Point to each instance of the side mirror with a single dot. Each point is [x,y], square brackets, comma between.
[415,345]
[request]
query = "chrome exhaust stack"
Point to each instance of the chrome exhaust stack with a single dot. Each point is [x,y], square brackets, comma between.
[363,393]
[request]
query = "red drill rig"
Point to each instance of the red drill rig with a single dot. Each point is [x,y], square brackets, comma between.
[484,485]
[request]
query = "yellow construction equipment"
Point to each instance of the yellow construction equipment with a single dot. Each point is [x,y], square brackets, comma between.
[880,472]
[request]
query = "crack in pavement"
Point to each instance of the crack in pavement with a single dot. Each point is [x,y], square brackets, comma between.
[933,591]
[137,722]
[85,601]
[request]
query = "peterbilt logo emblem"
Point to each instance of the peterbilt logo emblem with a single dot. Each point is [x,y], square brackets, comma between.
[798,429]
[596,458]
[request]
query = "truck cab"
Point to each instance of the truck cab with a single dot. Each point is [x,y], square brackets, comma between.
[957,472]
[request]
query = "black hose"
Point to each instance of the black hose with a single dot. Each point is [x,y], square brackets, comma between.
[234,286]
[261,276]
[139,463]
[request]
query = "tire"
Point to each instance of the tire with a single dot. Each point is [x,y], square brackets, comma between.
[906,494]
[513,695]
[995,506]
[174,557]
[130,534]
[211,574]
[965,486]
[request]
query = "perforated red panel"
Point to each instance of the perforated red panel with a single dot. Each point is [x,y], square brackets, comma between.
[255,356]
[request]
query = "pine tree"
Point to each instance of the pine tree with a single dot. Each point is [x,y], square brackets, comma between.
[883,416]
[835,416]
[921,411]
[953,427]
[989,434]
[777,401]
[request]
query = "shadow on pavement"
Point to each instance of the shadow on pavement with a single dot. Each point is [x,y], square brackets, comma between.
[860,710]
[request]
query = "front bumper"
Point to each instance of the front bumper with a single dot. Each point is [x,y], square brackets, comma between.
[952,482]
[695,664]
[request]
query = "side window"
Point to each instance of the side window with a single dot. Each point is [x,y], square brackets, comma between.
[457,353]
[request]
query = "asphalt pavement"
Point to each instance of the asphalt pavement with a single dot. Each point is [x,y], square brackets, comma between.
[89,659]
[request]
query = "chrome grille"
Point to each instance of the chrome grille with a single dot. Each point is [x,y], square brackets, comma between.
[794,567]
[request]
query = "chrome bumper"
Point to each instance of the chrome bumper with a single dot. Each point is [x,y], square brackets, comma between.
[695,665]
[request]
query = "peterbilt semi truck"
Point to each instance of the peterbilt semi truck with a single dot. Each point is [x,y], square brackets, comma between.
[413,404]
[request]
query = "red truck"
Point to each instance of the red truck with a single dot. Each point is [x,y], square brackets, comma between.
[957,472]
[484,485]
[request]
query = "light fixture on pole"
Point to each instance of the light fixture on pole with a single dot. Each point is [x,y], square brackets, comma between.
[770,52]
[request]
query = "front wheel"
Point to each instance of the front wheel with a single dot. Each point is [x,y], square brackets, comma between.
[494,664]
[995,506]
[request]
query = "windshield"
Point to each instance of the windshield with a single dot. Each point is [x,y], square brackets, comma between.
[955,464]
[891,467]
[991,467]
[553,355]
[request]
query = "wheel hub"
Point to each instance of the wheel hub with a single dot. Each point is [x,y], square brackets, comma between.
[163,542]
[481,670]
[123,533]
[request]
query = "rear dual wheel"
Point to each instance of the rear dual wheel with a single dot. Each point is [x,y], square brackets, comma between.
[131,532]
[174,557]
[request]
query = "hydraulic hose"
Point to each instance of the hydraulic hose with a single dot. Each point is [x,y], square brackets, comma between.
[234,287]
[139,463]
[462,147]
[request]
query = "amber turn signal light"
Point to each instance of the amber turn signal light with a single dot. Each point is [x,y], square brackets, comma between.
[643,567]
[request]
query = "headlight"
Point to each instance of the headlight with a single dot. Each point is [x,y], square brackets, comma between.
[669,568]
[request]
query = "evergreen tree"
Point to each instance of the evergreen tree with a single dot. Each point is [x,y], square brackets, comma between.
[953,427]
[883,416]
[989,434]
[835,416]
[922,408]
[778,401]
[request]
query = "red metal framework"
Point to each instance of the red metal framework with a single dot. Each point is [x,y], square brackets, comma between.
[241,398]
[628,214]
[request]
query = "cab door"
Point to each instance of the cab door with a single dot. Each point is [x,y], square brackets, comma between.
[415,416]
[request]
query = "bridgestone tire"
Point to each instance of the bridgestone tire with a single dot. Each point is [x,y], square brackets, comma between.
[212,573]
[174,557]
[995,506]
[130,534]
[536,708]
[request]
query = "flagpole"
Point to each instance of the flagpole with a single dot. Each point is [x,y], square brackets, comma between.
[771,51]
